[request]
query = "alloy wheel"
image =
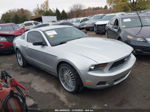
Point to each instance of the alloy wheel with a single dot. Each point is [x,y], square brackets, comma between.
[67,79]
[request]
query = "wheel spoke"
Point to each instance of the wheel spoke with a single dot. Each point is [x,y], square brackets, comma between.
[67,78]
[19,58]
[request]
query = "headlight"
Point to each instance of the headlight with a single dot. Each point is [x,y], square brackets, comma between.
[134,38]
[98,67]
[3,39]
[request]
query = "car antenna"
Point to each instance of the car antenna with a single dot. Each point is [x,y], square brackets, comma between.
[140,22]
[139,18]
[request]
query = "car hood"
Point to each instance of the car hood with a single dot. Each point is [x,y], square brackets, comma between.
[101,50]
[7,33]
[143,32]
[101,22]
[92,21]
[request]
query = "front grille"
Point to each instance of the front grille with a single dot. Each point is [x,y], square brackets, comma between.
[9,38]
[120,78]
[101,27]
[124,74]
[119,63]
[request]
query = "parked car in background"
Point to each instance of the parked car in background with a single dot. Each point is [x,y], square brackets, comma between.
[64,23]
[99,26]
[21,26]
[30,24]
[145,12]
[89,25]
[70,54]
[7,34]
[11,29]
[41,25]
[133,30]
[77,21]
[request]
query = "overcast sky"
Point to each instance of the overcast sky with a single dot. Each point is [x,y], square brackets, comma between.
[5,5]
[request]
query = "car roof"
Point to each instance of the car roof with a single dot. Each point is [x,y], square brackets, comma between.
[98,15]
[52,27]
[133,14]
[29,21]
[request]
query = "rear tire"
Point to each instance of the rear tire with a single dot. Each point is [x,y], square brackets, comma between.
[69,78]
[20,59]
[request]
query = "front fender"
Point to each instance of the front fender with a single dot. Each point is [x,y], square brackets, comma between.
[80,63]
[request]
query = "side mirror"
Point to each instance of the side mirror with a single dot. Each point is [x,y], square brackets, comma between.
[39,43]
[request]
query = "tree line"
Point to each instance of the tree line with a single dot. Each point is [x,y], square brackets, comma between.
[20,15]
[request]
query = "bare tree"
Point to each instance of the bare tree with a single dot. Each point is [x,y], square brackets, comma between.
[76,10]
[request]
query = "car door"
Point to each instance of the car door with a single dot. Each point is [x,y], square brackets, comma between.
[109,28]
[38,54]
[114,30]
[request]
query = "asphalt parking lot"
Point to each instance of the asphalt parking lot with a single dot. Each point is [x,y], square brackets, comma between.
[45,91]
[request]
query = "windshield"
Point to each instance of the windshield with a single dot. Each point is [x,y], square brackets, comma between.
[108,17]
[6,28]
[77,21]
[60,35]
[15,26]
[131,22]
[97,17]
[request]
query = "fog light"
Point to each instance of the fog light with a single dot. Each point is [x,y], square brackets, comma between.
[88,82]
[102,83]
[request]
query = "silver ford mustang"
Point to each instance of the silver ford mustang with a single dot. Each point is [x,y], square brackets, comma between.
[78,60]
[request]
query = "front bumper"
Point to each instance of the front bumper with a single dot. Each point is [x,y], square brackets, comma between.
[6,50]
[81,27]
[101,29]
[141,48]
[89,27]
[98,79]
[6,47]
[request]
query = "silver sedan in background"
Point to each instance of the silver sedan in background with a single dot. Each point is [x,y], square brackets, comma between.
[76,59]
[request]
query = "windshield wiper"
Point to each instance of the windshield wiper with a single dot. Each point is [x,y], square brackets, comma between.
[68,41]
[77,38]
[60,43]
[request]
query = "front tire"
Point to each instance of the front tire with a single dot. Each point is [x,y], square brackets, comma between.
[69,78]
[20,59]
[119,38]
[107,36]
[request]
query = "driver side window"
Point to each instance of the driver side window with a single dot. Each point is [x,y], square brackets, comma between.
[34,36]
